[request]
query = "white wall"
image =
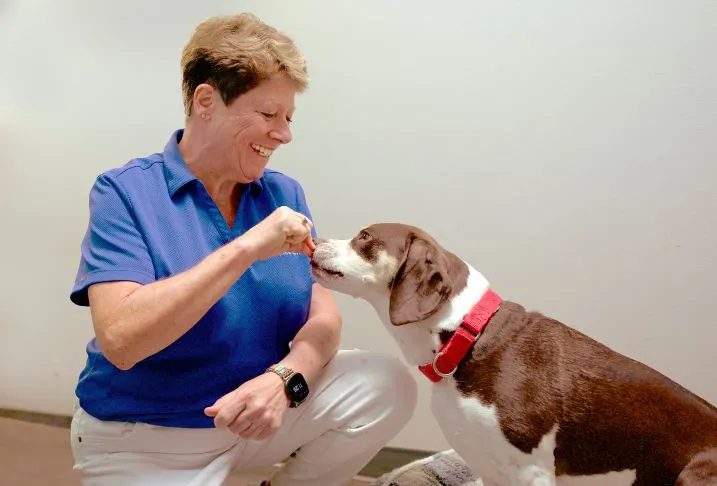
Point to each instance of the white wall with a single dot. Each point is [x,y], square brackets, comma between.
[566,149]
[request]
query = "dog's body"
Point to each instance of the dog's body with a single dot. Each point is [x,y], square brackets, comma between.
[534,402]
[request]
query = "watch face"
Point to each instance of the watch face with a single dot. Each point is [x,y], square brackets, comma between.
[297,387]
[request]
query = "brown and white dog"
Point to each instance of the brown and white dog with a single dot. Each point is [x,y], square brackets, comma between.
[523,398]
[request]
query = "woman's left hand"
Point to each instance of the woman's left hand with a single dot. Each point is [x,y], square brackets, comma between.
[255,410]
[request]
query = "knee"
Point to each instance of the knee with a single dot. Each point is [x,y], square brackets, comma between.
[393,389]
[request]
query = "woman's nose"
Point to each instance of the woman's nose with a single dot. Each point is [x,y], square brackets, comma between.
[282,134]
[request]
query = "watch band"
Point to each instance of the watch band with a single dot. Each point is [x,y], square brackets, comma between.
[281,370]
[295,385]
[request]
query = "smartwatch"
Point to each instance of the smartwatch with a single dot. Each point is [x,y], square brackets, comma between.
[294,383]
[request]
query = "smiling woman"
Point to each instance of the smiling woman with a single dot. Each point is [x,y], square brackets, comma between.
[241,136]
[240,80]
[224,367]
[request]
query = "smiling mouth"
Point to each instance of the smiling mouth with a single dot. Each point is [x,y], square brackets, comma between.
[261,150]
[332,273]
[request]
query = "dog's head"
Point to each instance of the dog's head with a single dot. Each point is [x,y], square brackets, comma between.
[395,262]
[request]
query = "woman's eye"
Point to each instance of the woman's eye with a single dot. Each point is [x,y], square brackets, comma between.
[268,115]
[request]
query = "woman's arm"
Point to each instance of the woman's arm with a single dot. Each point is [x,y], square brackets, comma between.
[318,340]
[257,408]
[134,321]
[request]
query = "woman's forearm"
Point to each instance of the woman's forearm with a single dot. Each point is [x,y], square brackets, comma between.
[319,339]
[131,327]
[316,344]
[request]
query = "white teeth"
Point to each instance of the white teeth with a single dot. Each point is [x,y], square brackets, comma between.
[263,151]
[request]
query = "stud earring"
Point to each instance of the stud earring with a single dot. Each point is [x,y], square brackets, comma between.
[203,116]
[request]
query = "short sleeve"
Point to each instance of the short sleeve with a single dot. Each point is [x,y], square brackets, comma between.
[303,207]
[113,248]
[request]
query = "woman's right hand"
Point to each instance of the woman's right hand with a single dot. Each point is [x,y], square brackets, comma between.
[284,230]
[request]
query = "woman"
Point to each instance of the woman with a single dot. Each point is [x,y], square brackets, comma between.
[214,350]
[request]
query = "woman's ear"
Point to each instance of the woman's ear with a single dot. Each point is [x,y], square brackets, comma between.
[203,100]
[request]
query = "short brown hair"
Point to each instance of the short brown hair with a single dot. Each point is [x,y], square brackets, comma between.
[235,53]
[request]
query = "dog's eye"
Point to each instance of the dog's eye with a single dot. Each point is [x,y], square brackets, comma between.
[364,236]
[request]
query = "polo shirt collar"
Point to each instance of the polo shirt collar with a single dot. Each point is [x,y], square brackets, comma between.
[178,175]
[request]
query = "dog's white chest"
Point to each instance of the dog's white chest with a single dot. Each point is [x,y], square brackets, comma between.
[473,430]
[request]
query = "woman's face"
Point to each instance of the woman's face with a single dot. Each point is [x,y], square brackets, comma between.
[248,131]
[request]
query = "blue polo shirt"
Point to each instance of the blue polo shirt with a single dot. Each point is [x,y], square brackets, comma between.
[151,219]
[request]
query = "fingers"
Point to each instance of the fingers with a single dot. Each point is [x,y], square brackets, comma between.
[265,433]
[213,410]
[284,230]
[298,227]
[256,426]
[242,425]
[259,428]
[298,234]
[263,406]
[308,249]
[302,247]
[254,430]
[226,412]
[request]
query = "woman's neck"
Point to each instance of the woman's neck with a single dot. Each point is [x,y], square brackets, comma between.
[208,166]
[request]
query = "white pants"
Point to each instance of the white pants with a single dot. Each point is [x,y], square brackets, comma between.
[361,401]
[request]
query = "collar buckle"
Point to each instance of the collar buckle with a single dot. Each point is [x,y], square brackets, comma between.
[439,372]
[468,332]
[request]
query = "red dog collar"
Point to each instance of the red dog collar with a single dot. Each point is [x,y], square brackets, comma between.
[452,352]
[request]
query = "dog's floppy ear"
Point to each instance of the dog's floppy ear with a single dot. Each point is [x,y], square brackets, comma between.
[421,284]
